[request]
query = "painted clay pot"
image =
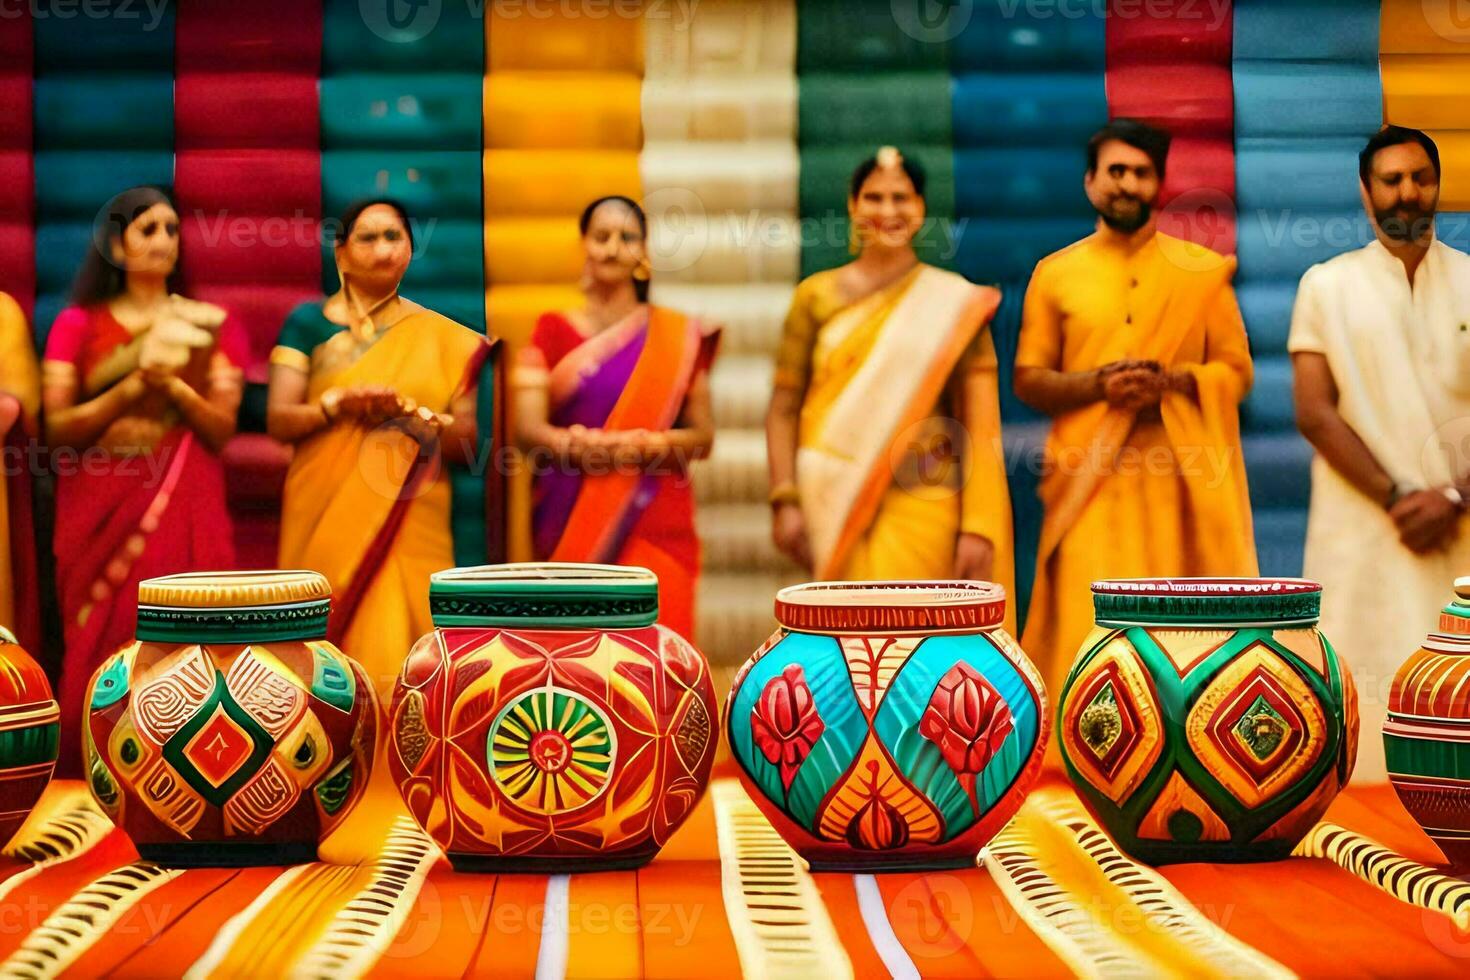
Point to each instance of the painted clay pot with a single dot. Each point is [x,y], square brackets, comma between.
[1426,739]
[888,726]
[547,724]
[30,726]
[1207,719]
[231,732]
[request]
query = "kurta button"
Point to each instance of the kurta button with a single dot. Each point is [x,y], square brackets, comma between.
[1133,283]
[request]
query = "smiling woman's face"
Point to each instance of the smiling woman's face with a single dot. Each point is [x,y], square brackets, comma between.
[150,245]
[614,243]
[887,210]
[377,251]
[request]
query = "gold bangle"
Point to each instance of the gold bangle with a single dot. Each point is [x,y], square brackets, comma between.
[785,493]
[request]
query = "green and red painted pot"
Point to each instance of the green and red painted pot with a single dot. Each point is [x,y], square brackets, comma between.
[888,726]
[1207,719]
[1426,738]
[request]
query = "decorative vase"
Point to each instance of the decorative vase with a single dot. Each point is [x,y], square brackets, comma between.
[30,727]
[888,726]
[231,732]
[547,724]
[1208,719]
[1426,739]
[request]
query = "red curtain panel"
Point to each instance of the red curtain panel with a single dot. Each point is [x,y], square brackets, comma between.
[248,182]
[249,160]
[1170,65]
[17,176]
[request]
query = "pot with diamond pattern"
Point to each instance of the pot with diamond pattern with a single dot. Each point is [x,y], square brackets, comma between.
[888,726]
[1207,719]
[230,732]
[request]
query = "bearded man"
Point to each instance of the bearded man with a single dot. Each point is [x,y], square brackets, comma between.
[1380,350]
[1132,341]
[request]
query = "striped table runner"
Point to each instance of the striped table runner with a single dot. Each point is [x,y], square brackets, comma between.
[1051,896]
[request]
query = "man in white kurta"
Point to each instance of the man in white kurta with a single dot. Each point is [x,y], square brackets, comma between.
[1380,343]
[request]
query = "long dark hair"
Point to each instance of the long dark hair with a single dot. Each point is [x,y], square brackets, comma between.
[100,278]
[640,286]
[348,221]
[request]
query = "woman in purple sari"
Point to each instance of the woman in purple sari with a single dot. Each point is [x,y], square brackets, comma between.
[612,405]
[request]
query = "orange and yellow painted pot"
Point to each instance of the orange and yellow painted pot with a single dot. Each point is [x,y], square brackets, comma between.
[548,724]
[230,732]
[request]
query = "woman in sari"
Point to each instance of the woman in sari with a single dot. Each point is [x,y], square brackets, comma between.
[20,405]
[884,427]
[612,405]
[376,393]
[140,388]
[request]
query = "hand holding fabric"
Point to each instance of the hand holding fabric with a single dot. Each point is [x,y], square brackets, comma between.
[182,327]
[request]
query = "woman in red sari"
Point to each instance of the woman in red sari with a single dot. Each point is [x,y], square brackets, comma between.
[140,388]
[612,405]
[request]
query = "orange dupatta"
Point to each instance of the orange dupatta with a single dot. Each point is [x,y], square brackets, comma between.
[1213,423]
[652,399]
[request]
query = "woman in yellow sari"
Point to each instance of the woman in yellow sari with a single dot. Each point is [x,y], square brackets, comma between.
[377,393]
[20,404]
[884,427]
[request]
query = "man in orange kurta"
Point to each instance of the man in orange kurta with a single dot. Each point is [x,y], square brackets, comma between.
[1132,341]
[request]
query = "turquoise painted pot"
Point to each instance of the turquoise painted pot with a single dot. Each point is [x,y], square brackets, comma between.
[888,725]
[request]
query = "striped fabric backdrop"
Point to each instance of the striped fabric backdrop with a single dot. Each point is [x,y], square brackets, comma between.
[719,167]
[738,122]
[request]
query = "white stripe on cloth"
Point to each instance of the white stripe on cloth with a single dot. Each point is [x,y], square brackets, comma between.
[880,930]
[551,959]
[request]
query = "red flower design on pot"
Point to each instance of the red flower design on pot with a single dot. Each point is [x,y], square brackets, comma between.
[968,720]
[785,723]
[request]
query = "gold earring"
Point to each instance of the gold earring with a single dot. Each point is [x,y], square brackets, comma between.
[643,272]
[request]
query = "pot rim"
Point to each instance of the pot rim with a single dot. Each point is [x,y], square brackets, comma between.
[1233,601]
[940,605]
[1206,585]
[546,573]
[234,589]
[544,595]
[247,606]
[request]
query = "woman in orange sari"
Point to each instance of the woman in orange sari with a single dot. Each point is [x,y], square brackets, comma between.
[612,405]
[377,394]
[140,388]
